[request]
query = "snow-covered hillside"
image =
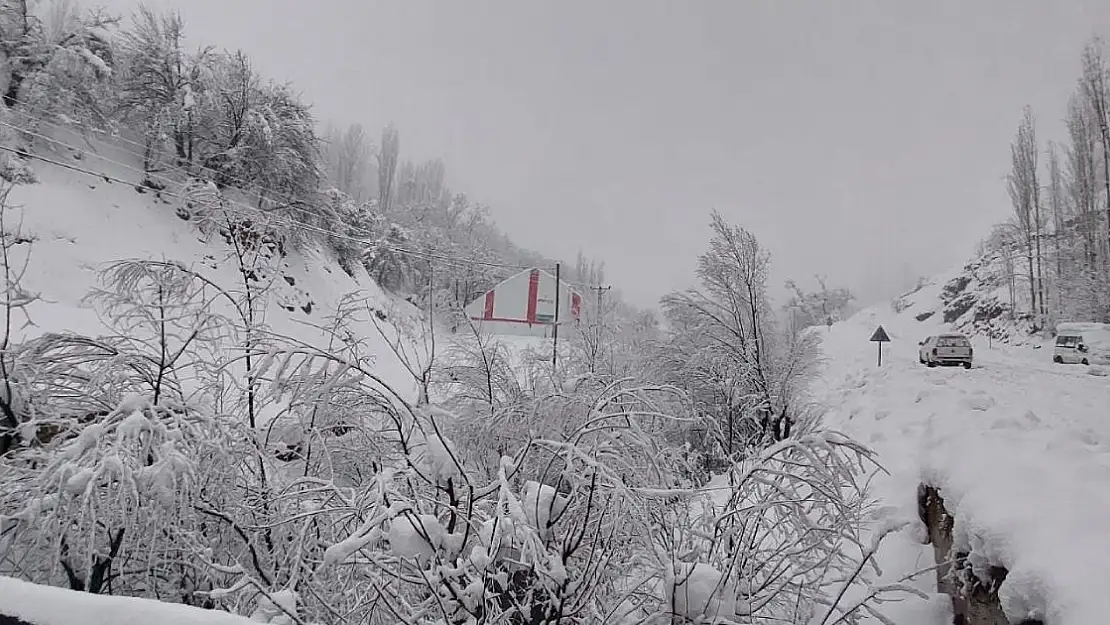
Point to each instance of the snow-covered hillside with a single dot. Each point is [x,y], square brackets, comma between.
[1019,448]
[75,224]
[973,298]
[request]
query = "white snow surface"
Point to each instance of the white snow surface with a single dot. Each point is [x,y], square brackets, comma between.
[1018,446]
[46,605]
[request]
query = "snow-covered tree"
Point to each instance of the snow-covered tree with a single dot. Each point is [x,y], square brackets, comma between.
[388,152]
[228,109]
[725,347]
[160,84]
[64,62]
[56,56]
[821,307]
[387,261]
[350,163]
[1025,195]
[283,141]
[1094,89]
[1061,224]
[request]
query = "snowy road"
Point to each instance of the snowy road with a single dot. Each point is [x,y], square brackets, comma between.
[1020,447]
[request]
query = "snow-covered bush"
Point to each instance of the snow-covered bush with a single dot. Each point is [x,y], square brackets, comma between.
[354,221]
[14,167]
[386,261]
[119,489]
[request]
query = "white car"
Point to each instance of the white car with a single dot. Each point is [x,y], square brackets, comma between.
[945,349]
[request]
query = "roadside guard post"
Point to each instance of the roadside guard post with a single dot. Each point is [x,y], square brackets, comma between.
[880,337]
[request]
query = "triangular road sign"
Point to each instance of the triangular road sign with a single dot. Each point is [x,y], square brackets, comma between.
[880,336]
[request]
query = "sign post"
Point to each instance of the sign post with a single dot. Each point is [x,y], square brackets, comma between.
[879,337]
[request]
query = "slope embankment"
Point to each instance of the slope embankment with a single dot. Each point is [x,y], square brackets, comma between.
[1017,449]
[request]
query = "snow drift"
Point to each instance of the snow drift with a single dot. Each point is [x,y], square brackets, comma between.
[45,605]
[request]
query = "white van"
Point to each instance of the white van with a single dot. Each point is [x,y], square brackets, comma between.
[1070,349]
[1081,343]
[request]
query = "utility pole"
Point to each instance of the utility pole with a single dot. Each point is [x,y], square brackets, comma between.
[599,289]
[597,311]
[555,325]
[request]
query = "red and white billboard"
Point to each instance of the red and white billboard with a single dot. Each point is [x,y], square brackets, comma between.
[525,304]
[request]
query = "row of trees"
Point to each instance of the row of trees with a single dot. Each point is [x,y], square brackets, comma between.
[824,306]
[1057,245]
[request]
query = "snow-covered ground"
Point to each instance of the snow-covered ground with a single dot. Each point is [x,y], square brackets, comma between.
[1019,447]
[44,605]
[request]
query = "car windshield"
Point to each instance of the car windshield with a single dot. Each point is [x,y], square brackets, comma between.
[951,341]
[1067,340]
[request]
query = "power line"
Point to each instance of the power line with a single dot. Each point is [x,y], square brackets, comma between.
[146,174]
[424,255]
[287,198]
[24,108]
[418,253]
[184,171]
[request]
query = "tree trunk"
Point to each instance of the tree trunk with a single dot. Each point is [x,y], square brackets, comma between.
[1040,278]
[1059,266]
[180,148]
[1100,105]
[1032,282]
[1038,231]
[1104,130]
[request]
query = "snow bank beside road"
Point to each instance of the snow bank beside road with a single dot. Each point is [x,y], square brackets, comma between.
[46,605]
[1019,448]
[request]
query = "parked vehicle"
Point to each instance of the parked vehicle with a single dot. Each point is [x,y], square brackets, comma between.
[1081,343]
[1070,349]
[945,349]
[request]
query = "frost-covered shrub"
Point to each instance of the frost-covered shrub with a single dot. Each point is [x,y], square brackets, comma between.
[111,491]
[776,540]
[16,170]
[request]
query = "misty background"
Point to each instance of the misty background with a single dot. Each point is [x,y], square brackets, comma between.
[864,140]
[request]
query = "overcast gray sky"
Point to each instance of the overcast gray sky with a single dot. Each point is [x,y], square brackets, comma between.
[863,139]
